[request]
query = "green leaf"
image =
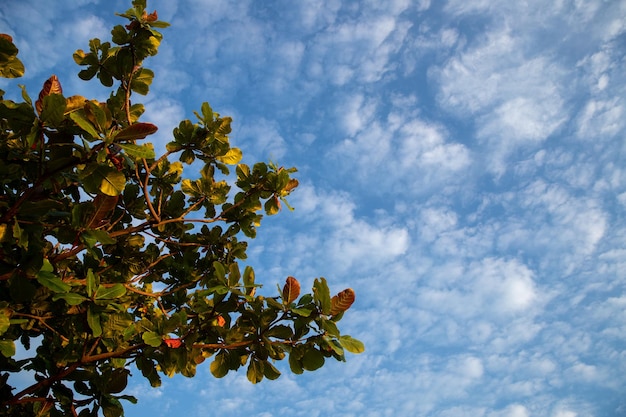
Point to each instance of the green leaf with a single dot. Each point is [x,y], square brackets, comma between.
[102,178]
[351,345]
[248,280]
[219,366]
[52,282]
[152,339]
[220,272]
[20,235]
[321,295]
[110,293]
[295,362]
[70,298]
[93,320]
[255,371]
[7,348]
[53,109]
[98,114]
[232,157]
[301,311]
[91,283]
[10,65]
[280,331]
[119,35]
[82,122]
[111,407]
[117,381]
[330,327]
[128,398]
[148,370]
[207,113]
[313,359]
[92,237]
[270,371]
[141,81]
[138,151]
[272,206]
[234,275]
[187,156]
[4,322]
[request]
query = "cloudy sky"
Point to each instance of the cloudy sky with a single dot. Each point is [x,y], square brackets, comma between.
[462,167]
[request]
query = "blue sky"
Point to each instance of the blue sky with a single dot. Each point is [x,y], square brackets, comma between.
[462,167]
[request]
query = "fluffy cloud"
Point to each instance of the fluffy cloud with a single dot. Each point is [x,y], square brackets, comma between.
[402,152]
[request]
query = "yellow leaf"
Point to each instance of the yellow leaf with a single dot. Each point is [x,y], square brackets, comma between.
[232,157]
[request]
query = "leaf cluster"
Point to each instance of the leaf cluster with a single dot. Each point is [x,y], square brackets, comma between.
[110,257]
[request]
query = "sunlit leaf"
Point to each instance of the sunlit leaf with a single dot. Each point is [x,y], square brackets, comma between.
[173,343]
[342,301]
[82,122]
[219,366]
[74,103]
[4,321]
[232,157]
[105,179]
[321,295]
[351,345]
[10,65]
[272,206]
[110,292]
[141,81]
[152,339]
[255,371]
[138,151]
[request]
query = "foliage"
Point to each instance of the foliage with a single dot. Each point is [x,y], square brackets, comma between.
[110,258]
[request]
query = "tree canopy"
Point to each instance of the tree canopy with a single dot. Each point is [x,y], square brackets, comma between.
[112,260]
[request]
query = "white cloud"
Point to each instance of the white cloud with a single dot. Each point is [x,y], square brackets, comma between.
[403,152]
[261,138]
[601,120]
[516,99]
[492,288]
[514,410]
[351,241]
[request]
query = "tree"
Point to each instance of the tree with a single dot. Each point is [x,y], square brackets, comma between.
[110,259]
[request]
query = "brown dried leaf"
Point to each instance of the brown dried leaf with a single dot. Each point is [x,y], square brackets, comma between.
[104,204]
[291,290]
[342,301]
[293,183]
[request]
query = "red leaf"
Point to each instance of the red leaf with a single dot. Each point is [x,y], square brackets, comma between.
[173,343]
[136,131]
[50,86]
